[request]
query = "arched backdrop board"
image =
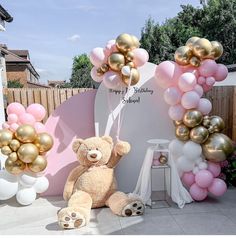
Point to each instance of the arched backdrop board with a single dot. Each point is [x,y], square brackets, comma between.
[144,118]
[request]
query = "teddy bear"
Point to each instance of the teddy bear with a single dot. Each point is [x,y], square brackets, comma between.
[92,184]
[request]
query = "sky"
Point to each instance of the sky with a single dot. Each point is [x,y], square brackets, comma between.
[54,31]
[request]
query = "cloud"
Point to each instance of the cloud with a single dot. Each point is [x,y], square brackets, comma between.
[74,38]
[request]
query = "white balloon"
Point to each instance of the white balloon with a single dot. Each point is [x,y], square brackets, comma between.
[126,70]
[8,185]
[195,170]
[176,148]
[202,165]
[198,160]
[27,179]
[192,150]
[41,184]
[26,196]
[184,164]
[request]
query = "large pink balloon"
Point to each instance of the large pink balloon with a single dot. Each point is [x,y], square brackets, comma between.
[201,80]
[176,112]
[94,75]
[208,68]
[204,106]
[198,89]
[190,100]
[97,56]
[12,118]
[221,72]
[204,178]
[37,111]
[198,193]
[172,95]
[140,57]
[218,187]
[167,74]
[39,127]
[214,168]
[15,108]
[188,178]
[27,118]
[112,80]
[187,81]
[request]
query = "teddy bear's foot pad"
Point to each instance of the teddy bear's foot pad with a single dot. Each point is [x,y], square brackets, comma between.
[135,208]
[70,219]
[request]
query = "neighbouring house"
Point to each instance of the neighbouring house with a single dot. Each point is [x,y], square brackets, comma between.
[56,83]
[4,17]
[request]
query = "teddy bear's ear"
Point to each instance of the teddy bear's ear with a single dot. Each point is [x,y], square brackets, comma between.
[76,144]
[108,139]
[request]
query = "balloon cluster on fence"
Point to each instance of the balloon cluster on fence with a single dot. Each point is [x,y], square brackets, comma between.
[200,145]
[117,64]
[25,142]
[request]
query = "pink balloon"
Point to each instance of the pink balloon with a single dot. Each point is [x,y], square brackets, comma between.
[208,68]
[224,163]
[190,69]
[14,126]
[94,75]
[39,127]
[214,168]
[5,125]
[37,111]
[210,81]
[15,108]
[198,193]
[172,95]
[140,57]
[167,74]
[201,80]
[206,88]
[204,178]
[218,187]
[112,80]
[221,72]
[27,118]
[198,89]
[176,112]
[190,100]
[110,47]
[12,118]
[156,162]
[204,106]
[97,56]
[187,81]
[188,178]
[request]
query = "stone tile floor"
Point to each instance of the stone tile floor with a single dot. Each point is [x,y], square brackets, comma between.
[212,217]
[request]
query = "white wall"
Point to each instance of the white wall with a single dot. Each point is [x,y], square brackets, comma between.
[230,80]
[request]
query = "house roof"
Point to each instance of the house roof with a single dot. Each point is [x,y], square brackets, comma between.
[5,15]
[56,81]
[21,53]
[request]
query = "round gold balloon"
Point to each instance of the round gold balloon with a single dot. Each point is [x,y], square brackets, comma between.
[206,121]
[217,50]
[25,133]
[135,76]
[15,167]
[5,137]
[44,142]
[38,165]
[99,72]
[14,145]
[183,55]
[177,123]
[13,156]
[199,134]
[192,118]
[182,132]
[217,147]
[6,150]
[129,56]
[130,64]
[104,68]
[136,42]
[163,159]
[126,42]
[27,152]
[202,48]
[216,124]
[191,41]
[116,61]
[195,61]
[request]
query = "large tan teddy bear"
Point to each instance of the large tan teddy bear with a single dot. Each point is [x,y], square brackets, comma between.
[92,184]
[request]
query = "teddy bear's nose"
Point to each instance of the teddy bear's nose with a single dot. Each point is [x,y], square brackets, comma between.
[94,156]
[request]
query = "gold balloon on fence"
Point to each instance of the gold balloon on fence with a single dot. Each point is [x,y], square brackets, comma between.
[216,124]
[182,132]
[27,152]
[38,165]
[199,134]
[192,118]
[217,147]
[116,61]
[13,156]
[195,61]
[182,55]
[177,123]
[206,121]
[25,133]
[6,150]
[126,42]
[44,142]
[191,41]
[15,167]
[130,64]
[99,72]
[14,145]
[202,48]
[5,137]
[135,76]
[104,68]
[217,50]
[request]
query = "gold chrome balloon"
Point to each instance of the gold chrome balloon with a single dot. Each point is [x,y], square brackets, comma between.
[216,124]
[135,76]
[183,55]
[130,64]
[182,132]
[25,133]
[206,121]
[44,142]
[177,123]
[191,41]
[15,167]
[28,152]
[14,145]
[199,134]
[38,165]
[136,42]
[99,72]
[116,61]
[217,147]
[202,48]
[195,61]
[126,42]
[163,159]
[13,156]
[192,118]
[104,68]
[6,150]
[217,50]
[5,137]
[129,56]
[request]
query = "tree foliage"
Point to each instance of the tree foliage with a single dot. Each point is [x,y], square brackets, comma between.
[14,84]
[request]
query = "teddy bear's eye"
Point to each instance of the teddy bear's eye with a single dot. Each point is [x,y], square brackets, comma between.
[89,149]
[96,148]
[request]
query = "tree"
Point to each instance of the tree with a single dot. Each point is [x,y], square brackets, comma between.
[14,84]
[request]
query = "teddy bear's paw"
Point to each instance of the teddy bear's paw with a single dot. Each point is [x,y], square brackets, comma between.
[122,148]
[69,218]
[134,208]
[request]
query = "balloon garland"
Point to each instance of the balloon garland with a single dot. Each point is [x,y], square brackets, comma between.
[200,146]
